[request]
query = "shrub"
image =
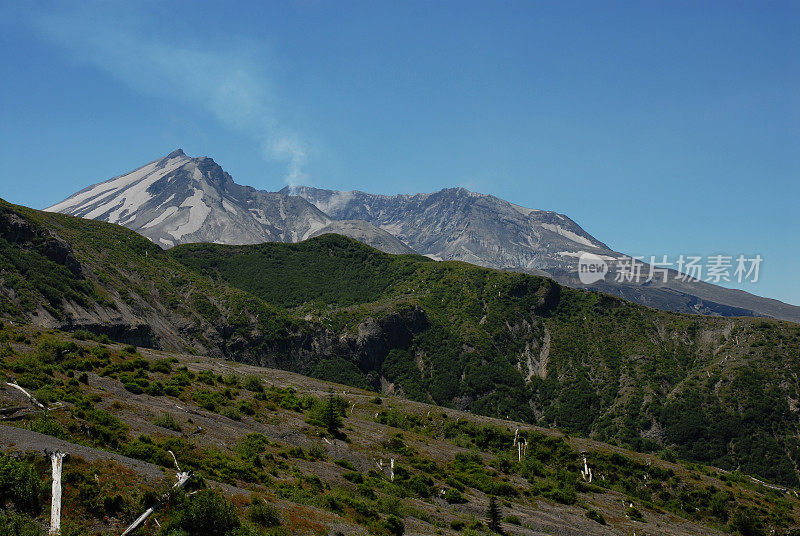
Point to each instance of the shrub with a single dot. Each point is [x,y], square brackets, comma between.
[207,377]
[155,388]
[134,388]
[513,520]
[231,413]
[504,489]
[251,445]
[208,513]
[746,523]
[19,484]
[168,421]
[100,352]
[317,452]
[163,366]
[365,490]
[594,515]
[354,477]
[15,524]
[231,379]
[210,400]
[44,424]
[394,525]
[246,407]
[82,335]
[421,485]
[254,384]
[264,514]
[453,496]
[634,514]
[346,464]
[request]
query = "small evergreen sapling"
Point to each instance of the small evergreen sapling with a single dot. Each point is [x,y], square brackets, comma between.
[331,416]
[494,515]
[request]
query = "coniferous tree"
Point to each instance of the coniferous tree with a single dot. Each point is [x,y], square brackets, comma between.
[494,515]
[331,416]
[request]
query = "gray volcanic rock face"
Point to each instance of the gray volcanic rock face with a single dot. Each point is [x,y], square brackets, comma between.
[366,233]
[456,224]
[178,199]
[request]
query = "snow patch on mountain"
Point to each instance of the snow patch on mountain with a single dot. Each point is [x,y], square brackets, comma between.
[197,214]
[112,199]
[568,234]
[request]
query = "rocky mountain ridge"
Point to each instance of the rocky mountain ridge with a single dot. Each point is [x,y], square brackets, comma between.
[178,199]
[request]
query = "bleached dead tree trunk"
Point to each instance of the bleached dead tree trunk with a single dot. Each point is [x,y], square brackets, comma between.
[57,460]
[26,393]
[391,470]
[586,472]
[183,478]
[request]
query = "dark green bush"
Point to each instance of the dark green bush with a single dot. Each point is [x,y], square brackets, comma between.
[594,515]
[394,525]
[263,513]
[354,477]
[453,496]
[254,384]
[208,513]
[16,524]
[246,407]
[19,484]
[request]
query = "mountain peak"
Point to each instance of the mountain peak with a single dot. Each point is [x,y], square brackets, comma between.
[178,199]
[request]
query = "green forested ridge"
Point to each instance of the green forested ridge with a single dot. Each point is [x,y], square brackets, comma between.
[289,275]
[722,391]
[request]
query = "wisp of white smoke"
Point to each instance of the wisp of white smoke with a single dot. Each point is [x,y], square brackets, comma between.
[230,82]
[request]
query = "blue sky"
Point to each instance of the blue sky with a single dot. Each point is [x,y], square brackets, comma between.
[660,127]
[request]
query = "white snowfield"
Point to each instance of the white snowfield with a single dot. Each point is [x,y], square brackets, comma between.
[122,200]
[125,192]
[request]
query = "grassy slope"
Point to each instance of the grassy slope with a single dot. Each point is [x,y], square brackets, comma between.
[259,430]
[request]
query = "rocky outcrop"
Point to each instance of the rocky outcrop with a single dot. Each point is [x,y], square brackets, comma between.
[367,346]
[26,235]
